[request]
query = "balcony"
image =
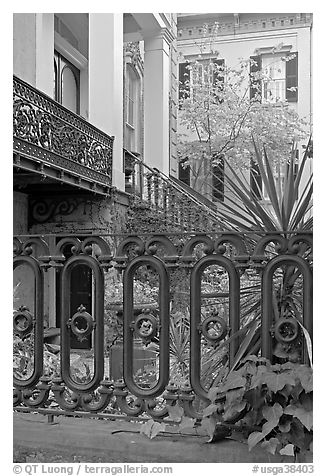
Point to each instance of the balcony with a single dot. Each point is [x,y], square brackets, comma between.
[54,144]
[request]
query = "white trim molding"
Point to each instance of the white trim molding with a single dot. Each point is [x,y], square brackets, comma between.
[69,52]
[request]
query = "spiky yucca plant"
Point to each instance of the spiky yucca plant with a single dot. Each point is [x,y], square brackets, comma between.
[283,211]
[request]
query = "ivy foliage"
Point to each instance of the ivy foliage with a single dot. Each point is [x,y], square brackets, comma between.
[271,405]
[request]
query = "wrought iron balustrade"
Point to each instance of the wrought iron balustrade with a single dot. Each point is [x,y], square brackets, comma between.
[173,204]
[228,282]
[49,134]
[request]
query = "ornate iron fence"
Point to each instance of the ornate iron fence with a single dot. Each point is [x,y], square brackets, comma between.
[207,296]
[52,136]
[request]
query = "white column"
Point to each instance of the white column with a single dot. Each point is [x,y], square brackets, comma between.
[304,73]
[156,100]
[105,69]
[304,89]
[24,45]
[44,52]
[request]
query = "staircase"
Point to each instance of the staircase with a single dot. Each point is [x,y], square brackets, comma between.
[175,203]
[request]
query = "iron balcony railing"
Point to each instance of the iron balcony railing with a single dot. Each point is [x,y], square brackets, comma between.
[51,140]
[202,296]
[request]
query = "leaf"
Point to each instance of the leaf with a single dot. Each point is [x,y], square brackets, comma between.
[271,187]
[152,428]
[296,392]
[212,393]
[273,413]
[234,380]
[208,424]
[308,342]
[187,422]
[306,377]
[251,358]
[288,450]
[254,438]
[254,358]
[234,396]
[254,397]
[270,445]
[306,401]
[233,410]
[277,381]
[246,343]
[297,435]
[220,432]
[259,378]
[209,410]
[289,366]
[305,416]
[285,427]
[175,412]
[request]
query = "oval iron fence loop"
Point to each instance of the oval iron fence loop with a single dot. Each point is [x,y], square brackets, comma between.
[38,321]
[164,316]
[267,296]
[97,325]
[195,315]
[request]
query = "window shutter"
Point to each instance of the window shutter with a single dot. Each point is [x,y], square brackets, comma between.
[219,75]
[255,85]
[291,73]
[184,90]
[184,172]
[218,180]
[256,183]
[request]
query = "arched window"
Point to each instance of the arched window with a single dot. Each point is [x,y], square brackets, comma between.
[67,83]
[69,87]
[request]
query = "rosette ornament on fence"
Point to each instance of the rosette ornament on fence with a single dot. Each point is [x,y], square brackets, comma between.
[240,296]
[46,131]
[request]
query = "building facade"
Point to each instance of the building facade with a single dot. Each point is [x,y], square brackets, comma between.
[91,92]
[266,39]
[105,75]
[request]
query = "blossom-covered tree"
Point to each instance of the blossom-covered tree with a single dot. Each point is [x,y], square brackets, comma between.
[219,117]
